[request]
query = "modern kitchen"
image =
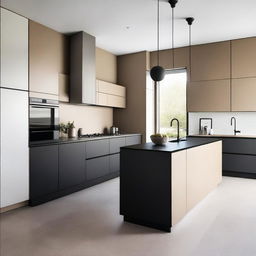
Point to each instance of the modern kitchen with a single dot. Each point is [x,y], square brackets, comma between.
[127,128]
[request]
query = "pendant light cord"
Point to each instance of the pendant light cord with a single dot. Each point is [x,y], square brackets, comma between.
[190,55]
[158,34]
[190,20]
[173,37]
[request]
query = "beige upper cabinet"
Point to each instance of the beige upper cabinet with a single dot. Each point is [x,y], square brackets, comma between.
[243,94]
[110,95]
[106,66]
[208,96]
[46,59]
[244,57]
[210,61]
[14,50]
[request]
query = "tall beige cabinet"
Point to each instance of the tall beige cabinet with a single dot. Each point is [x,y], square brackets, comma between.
[14,109]
[209,88]
[47,65]
[243,74]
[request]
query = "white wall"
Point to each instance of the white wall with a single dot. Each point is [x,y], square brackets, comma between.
[246,122]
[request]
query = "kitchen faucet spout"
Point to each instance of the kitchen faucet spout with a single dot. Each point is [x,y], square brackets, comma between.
[178,127]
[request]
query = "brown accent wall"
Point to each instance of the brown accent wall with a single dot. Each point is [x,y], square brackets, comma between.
[131,73]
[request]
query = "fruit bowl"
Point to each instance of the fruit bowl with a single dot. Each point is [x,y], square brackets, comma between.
[159,139]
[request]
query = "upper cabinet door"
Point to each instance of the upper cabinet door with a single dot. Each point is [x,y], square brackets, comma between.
[210,61]
[244,58]
[243,94]
[14,51]
[46,48]
[208,96]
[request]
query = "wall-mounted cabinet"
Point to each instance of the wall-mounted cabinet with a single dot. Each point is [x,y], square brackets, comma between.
[46,51]
[243,94]
[244,57]
[210,61]
[14,51]
[111,95]
[209,96]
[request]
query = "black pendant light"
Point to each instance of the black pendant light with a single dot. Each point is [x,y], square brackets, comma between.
[173,4]
[157,73]
[190,21]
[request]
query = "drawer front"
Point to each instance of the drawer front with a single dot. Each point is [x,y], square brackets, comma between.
[239,145]
[114,163]
[115,144]
[96,168]
[239,163]
[97,148]
[133,140]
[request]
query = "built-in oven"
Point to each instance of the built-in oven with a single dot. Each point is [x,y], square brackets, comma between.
[43,119]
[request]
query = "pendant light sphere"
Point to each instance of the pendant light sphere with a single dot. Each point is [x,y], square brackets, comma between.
[157,73]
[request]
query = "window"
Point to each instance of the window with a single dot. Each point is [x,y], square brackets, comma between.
[172,102]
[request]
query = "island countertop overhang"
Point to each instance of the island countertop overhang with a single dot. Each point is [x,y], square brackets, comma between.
[172,147]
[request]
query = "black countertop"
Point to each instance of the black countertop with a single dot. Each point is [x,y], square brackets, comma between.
[76,140]
[171,147]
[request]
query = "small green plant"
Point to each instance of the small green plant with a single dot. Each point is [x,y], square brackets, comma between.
[70,125]
[65,127]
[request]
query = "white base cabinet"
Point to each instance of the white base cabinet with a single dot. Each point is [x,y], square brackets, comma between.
[14,147]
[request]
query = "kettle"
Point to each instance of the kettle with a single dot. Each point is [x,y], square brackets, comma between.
[112,130]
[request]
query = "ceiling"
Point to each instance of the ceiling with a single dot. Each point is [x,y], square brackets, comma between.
[125,26]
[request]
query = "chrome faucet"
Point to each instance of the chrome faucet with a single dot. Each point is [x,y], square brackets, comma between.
[235,130]
[178,127]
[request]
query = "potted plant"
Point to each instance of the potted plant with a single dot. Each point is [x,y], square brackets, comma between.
[68,129]
[71,130]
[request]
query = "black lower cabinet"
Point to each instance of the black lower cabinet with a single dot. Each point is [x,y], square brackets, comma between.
[132,140]
[59,170]
[114,163]
[71,164]
[239,165]
[43,171]
[239,157]
[97,167]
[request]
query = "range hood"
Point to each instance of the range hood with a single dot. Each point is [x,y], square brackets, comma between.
[82,69]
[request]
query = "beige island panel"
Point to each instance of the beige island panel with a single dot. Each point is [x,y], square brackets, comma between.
[195,173]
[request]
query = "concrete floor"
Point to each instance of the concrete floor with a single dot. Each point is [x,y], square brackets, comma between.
[88,223]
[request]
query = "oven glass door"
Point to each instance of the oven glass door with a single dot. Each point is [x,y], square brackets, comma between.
[43,117]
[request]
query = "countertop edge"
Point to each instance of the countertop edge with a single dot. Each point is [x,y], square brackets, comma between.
[213,140]
[78,140]
[224,136]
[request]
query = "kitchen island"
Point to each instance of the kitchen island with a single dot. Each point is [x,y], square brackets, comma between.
[160,184]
